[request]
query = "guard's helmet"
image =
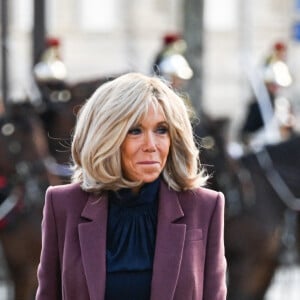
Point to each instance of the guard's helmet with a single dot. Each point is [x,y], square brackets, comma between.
[175,65]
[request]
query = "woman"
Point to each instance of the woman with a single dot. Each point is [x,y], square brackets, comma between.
[134,223]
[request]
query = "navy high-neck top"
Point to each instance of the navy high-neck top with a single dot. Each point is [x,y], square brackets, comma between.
[131,231]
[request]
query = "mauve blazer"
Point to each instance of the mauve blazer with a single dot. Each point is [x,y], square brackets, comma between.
[189,261]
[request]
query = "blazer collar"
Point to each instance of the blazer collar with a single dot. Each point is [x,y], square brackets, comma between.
[92,236]
[169,245]
[168,250]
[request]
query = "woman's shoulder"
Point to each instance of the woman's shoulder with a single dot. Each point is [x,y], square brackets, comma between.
[65,193]
[66,200]
[201,201]
[203,197]
[197,194]
[65,189]
[202,193]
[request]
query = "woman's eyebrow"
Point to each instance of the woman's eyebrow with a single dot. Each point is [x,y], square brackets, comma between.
[163,123]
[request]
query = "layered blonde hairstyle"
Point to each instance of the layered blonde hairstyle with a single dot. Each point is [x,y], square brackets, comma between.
[104,121]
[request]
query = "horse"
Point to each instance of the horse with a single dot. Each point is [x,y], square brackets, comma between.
[24,177]
[262,202]
[265,225]
[60,104]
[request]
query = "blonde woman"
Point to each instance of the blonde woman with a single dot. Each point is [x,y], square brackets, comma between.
[137,222]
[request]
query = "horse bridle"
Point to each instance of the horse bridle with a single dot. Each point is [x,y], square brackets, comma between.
[22,190]
[276,181]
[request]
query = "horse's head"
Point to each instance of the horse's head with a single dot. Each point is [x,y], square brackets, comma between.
[211,135]
[282,166]
[60,104]
[16,142]
[23,151]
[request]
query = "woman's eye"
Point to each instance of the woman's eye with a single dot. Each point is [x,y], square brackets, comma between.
[162,129]
[134,131]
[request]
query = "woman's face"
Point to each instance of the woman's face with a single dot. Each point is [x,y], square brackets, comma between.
[146,147]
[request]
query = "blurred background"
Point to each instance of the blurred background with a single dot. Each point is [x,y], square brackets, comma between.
[100,38]
[230,48]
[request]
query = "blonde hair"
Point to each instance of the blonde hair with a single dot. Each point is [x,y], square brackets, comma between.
[105,119]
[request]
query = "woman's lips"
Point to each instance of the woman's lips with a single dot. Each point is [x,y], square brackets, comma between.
[147,162]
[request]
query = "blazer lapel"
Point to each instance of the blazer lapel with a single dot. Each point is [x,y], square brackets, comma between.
[169,245]
[92,236]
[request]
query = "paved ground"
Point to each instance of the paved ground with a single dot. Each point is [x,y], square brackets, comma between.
[285,284]
[4,293]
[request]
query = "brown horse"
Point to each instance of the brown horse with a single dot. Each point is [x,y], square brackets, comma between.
[61,102]
[262,202]
[23,180]
[267,224]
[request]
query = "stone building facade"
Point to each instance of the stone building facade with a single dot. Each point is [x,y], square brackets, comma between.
[101,38]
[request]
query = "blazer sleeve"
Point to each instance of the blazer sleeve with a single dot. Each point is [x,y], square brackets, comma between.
[49,278]
[215,264]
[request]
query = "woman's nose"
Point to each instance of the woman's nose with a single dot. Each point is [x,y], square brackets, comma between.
[149,143]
